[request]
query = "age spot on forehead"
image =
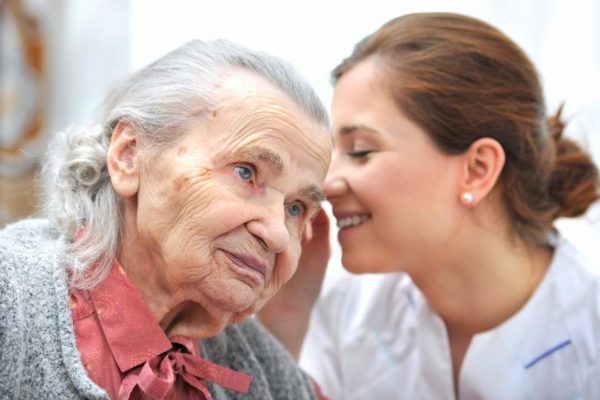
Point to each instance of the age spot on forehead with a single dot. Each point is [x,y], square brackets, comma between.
[182,150]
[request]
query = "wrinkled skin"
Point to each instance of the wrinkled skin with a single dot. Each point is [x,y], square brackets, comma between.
[214,228]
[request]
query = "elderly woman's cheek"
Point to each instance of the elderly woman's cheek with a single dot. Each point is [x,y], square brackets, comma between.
[292,259]
[188,185]
[196,191]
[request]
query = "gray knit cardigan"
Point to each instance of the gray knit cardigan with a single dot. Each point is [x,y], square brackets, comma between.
[38,353]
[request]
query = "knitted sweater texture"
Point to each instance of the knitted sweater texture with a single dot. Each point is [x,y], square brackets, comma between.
[38,353]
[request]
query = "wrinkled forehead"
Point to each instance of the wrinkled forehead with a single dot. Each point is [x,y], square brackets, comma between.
[252,113]
[243,96]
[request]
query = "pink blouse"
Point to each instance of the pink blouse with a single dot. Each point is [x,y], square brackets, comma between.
[126,352]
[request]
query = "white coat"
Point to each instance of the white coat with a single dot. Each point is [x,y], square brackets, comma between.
[375,337]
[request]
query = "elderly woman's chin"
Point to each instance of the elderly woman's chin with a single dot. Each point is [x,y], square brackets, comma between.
[236,296]
[229,299]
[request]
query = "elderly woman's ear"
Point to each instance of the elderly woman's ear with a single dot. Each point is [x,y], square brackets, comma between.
[123,160]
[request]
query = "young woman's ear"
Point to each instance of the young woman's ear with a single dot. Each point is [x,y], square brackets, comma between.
[483,163]
[123,160]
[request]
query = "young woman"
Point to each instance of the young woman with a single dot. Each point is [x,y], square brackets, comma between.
[446,179]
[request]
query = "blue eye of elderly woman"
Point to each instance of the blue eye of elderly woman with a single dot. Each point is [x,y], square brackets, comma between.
[244,172]
[295,210]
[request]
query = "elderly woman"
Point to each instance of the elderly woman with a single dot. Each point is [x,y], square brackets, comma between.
[166,227]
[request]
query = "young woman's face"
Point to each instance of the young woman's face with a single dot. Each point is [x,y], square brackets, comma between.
[394,194]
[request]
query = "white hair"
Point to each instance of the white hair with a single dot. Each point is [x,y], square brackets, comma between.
[160,101]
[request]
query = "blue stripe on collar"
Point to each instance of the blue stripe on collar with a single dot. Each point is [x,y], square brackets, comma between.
[547,353]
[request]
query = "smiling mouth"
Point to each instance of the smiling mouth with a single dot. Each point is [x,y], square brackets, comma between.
[248,262]
[353,220]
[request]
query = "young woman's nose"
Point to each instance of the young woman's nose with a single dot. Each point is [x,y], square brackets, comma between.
[335,183]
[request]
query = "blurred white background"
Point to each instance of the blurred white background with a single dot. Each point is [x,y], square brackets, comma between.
[95,43]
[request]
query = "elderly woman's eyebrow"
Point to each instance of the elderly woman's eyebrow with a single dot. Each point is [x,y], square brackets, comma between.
[314,193]
[265,156]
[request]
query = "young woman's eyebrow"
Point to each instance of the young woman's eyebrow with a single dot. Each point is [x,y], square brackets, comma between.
[350,129]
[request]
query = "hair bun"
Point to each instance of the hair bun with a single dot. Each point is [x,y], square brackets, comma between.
[574,182]
[556,125]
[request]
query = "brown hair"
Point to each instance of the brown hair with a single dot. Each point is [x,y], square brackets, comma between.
[461,79]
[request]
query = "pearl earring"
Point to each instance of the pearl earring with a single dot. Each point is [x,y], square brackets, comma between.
[467,197]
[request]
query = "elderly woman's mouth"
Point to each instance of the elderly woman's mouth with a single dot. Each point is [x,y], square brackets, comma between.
[248,263]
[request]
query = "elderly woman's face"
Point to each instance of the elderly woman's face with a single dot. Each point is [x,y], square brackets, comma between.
[222,212]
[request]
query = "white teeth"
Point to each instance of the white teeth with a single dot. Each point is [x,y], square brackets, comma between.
[352,221]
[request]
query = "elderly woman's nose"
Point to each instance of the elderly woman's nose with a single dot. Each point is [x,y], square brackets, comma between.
[271,228]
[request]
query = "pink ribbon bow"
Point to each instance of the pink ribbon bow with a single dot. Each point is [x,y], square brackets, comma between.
[156,378]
